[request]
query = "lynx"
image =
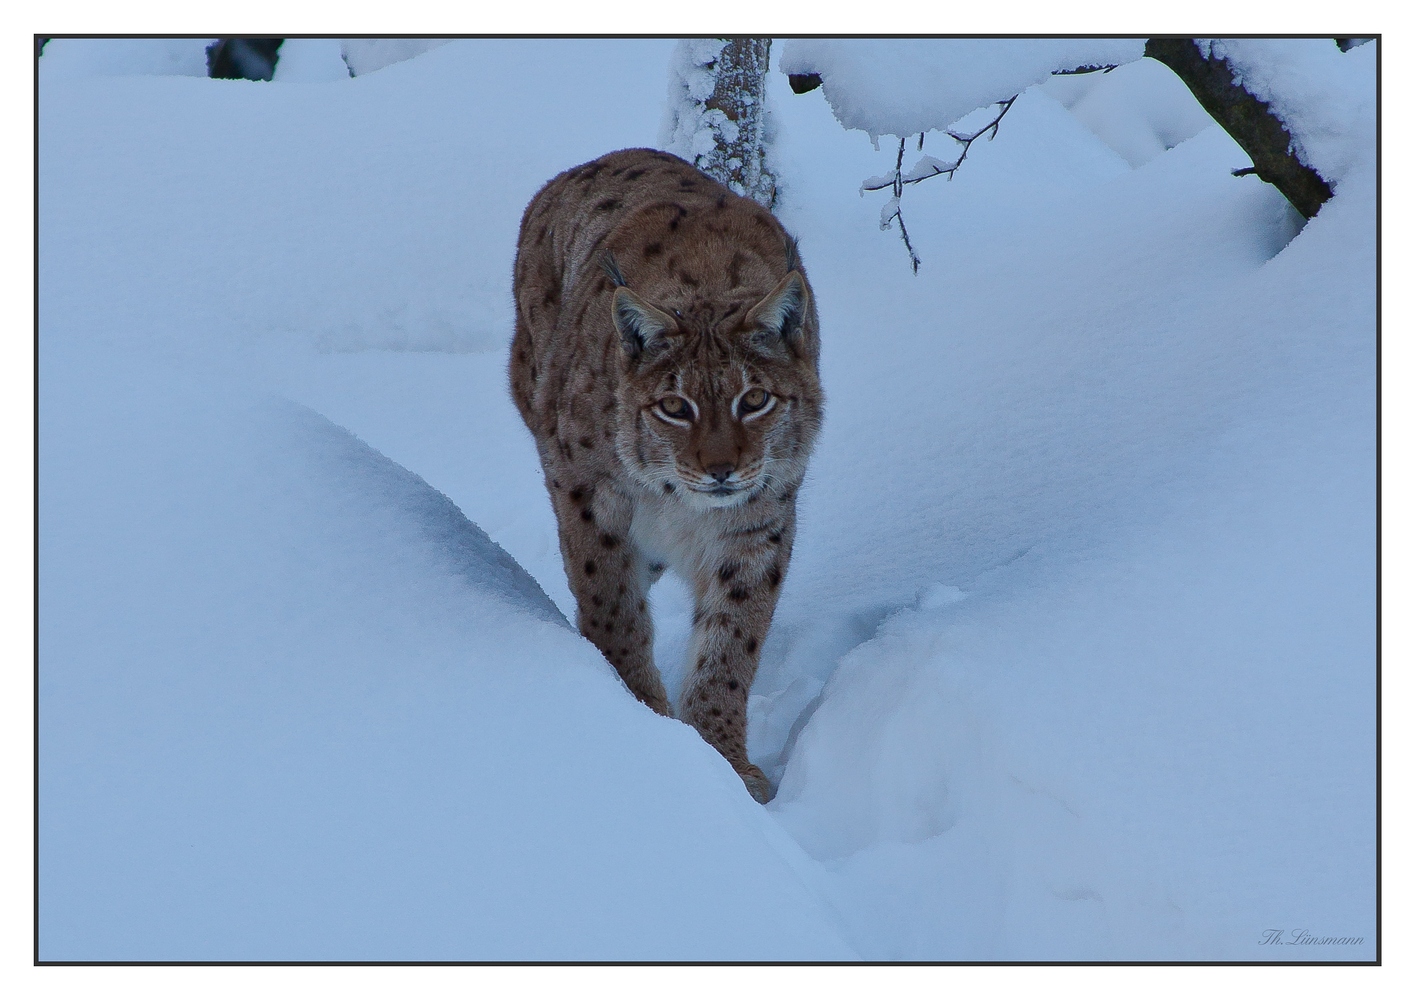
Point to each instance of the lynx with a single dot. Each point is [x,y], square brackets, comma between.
[665,360]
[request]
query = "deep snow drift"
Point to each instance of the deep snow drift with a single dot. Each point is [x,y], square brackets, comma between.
[1075,658]
[296,706]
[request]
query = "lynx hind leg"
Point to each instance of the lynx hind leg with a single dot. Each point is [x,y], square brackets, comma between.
[606,578]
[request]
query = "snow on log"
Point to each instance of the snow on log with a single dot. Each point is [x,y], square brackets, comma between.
[893,86]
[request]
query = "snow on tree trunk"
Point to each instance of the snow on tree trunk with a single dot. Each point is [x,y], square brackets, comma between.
[717,117]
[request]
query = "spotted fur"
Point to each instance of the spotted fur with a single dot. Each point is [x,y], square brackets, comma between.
[654,310]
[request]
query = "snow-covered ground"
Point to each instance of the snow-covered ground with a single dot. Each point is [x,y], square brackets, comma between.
[1075,659]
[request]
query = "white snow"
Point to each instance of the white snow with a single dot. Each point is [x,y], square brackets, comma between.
[688,128]
[310,60]
[281,714]
[296,706]
[302,59]
[69,58]
[1139,110]
[365,55]
[1075,659]
[1325,97]
[903,86]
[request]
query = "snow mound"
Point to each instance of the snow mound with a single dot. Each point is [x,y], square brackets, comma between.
[295,706]
[902,86]
[390,248]
[460,546]
[1128,415]
[1139,110]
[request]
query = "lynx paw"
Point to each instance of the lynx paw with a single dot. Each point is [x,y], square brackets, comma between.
[652,695]
[757,783]
[658,703]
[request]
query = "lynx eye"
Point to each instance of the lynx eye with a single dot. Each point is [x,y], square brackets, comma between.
[753,400]
[676,407]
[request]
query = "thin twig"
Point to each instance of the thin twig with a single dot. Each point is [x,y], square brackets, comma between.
[898,180]
[913,257]
[967,140]
[898,185]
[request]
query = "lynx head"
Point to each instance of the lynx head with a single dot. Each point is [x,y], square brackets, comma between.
[719,401]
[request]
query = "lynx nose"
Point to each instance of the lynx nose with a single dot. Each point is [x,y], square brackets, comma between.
[720,471]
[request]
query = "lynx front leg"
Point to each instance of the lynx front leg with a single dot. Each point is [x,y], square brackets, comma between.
[607,578]
[734,609]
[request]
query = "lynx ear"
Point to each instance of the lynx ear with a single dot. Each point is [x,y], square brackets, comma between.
[639,324]
[782,314]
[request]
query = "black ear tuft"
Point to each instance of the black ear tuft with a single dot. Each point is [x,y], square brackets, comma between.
[782,314]
[611,268]
[793,254]
[640,324]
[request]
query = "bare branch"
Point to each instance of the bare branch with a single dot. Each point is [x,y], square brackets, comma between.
[931,167]
[968,140]
[898,165]
[913,257]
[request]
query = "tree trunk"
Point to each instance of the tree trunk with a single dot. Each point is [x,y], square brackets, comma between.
[1249,120]
[740,94]
[717,120]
